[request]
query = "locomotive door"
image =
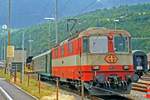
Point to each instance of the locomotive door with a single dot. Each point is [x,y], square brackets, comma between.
[50,62]
[46,64]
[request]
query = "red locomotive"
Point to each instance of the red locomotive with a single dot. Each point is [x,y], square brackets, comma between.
[100,57]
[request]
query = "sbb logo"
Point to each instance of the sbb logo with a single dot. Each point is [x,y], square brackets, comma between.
[111,58]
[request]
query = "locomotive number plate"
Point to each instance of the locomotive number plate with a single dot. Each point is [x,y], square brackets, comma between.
[111,58]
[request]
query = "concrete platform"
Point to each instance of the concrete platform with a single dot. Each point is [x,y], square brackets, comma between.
[14,92]
[2,97]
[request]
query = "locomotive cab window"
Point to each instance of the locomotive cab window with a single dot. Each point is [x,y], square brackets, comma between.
[98,44]
[121,43]
[85,44]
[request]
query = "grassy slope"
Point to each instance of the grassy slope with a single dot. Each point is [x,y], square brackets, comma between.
[136,20]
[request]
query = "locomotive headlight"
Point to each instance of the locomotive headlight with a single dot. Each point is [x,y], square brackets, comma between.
[126,67]
[95,68]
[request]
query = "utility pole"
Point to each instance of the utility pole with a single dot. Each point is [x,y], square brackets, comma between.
[4,29]
[116,20]
[49,30]
[56,20]
[23,55]
[8,59]
[4,48]
[49,35]
[2,42]
[9,18]
[30,47]
[72,21]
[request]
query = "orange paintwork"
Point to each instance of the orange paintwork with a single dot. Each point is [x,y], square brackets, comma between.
[75,50]
[73,72]
[86,72]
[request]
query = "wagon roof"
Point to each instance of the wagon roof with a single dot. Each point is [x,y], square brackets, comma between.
[42,54]
[148,55]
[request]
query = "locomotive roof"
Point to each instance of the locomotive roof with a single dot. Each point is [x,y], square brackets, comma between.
[102,31]
[137,52]
[133,51]
[95,31]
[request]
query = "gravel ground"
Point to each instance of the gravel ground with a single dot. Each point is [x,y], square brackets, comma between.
[66,95]
[63,95]
[136,95]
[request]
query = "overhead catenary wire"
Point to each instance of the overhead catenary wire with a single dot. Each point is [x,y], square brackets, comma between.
[65,6]
[87,7]
[84,10]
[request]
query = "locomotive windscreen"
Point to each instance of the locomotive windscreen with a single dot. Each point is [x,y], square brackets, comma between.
[98,44]
[139,62]
[121,43]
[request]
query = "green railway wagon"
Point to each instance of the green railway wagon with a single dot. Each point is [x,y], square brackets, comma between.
[42,64]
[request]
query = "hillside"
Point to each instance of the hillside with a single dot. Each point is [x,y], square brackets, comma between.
[31,12]
[135,19]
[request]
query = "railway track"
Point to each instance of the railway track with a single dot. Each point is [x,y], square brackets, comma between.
[142,84]
[146,77]
[115,97]
[89,97]
[101,97]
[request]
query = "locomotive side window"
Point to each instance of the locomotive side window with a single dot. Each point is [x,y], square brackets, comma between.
[70,47]
[121,43]
[56,52]
[62,50]
[98,44]
[85,45]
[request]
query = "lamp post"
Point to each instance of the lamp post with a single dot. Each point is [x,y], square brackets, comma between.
[116,20]
[4,29]
[49,30]
[56,20]
[30,46]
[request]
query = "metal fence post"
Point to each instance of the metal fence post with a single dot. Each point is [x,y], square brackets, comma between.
[28,78]
[57,89]
[82,90]
[39,79]
[15,74]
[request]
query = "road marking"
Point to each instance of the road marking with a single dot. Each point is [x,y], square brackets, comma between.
[5,93]
[2,79]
